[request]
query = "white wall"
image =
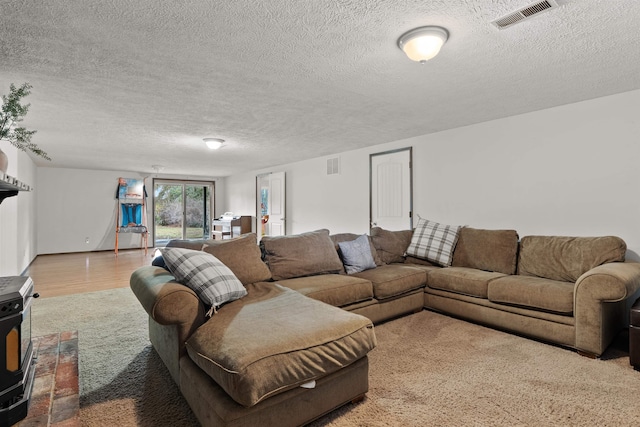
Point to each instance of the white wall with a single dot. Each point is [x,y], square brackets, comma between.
[27,247]
[569,170]
[76,204]
[313,199]
[18,216]
[239,194]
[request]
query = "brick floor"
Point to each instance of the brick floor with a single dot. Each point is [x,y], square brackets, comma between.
[55,400]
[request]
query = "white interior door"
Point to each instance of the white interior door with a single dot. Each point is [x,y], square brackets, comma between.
[391,196]
[277,198]
[271,197]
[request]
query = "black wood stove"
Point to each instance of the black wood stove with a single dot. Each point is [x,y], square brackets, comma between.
[17,361]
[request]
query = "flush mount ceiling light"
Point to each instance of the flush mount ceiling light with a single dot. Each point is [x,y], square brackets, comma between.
[422,44]
[213,143]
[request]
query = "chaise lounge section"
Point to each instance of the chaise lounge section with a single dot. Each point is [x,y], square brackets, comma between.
[250,364]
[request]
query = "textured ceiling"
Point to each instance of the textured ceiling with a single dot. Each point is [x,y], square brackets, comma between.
[124,85]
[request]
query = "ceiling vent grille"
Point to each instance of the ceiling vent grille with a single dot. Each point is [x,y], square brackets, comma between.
[525,13]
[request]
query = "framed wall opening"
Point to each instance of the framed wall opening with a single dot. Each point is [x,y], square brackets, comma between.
[182,210]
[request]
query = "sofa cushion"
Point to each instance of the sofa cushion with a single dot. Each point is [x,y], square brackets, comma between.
[419,261]
[391,246]
[394,279]
[213,282]
[425,267]
[276,339]
[348,237]
[242,255]
[335,289]
[356,255]
[195,245]
[489,250]
[533,292]
[567,258]
[300,255]
[434,242]
[462,280]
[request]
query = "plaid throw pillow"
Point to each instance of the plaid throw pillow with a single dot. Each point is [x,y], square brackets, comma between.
[434,242]
[206,275]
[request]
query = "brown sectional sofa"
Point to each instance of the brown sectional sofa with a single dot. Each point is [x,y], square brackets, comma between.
[565,290]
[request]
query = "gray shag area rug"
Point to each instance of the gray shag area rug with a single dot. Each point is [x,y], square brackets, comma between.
[428,370]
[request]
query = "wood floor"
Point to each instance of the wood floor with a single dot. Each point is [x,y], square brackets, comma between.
[65,274]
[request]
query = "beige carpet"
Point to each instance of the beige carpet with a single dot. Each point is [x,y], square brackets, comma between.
[428,370]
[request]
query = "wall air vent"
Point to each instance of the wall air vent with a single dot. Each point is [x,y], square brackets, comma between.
[525,13]
[333,166]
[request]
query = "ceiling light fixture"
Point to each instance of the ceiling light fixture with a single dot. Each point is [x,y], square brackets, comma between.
[157,168]
[422,44]
[213,143]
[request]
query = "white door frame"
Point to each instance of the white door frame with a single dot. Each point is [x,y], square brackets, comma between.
[276,204]
[184,183]
[371,174]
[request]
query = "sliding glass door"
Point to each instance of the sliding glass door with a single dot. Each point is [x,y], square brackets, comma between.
[181,210]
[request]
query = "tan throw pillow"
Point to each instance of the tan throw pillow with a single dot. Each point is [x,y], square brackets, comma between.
[567,258]
[242,256]
[299,255]
[488,250]
[391,246]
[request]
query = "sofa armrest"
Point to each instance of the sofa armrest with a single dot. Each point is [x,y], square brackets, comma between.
[166,301]
[602,296]
[610,282]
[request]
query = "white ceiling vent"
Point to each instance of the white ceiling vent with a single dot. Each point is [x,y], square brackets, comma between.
[333,166]
[525,13]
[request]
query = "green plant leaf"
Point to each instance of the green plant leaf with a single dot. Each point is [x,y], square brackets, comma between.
[13,112]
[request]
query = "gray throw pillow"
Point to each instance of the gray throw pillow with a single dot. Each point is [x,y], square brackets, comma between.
[356,255]
[213,282]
